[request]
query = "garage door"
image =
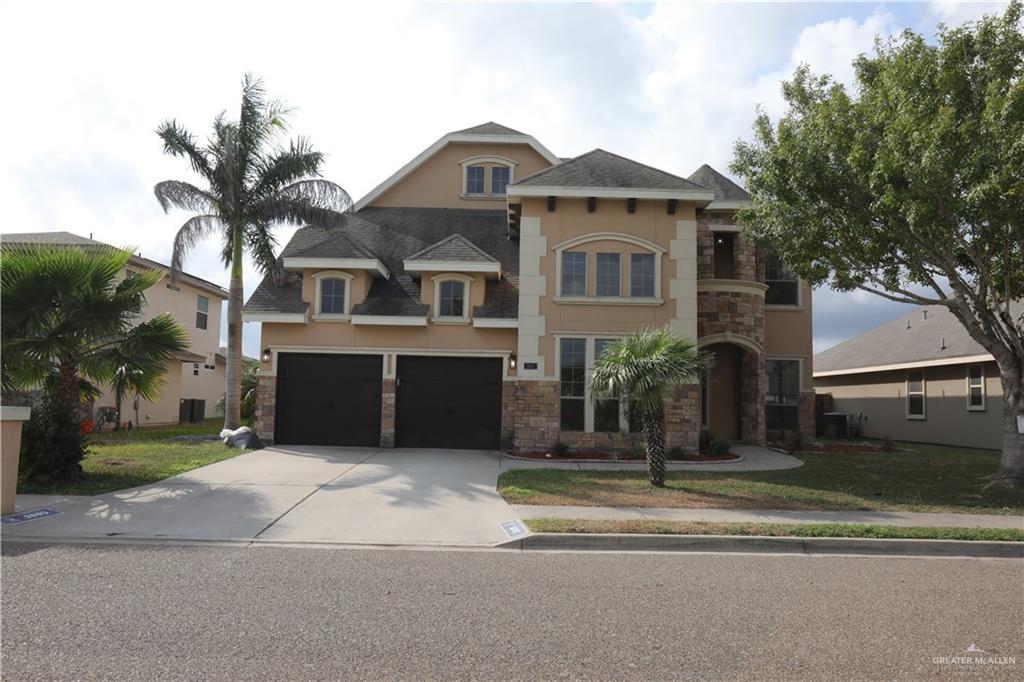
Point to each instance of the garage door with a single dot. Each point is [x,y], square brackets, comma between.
[448,403]
[328,399]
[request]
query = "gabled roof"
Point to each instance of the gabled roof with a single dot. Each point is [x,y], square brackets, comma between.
[928,335]
[485,132]
[489,128]
[725,189]
[325,244]
[453,248]
[60,238]
[602,170]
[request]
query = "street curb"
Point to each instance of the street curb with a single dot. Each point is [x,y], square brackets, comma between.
[637,542]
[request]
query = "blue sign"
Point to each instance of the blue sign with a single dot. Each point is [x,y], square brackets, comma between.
[512,528]
[28,516]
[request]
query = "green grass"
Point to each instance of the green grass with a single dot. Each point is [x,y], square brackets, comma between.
[125,459]
[800,530]
[921,478]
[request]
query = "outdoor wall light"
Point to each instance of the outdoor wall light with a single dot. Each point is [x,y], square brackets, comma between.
[265,357]
[512,361]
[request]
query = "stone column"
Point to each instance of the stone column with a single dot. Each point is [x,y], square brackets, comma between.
[266,396]
[387,413]
[807,417]
[752,416]
[682,417]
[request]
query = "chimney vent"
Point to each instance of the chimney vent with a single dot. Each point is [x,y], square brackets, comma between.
[924,314]
[943,342]
[908,324]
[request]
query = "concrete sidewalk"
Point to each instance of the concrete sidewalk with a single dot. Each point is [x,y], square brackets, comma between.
[907,519]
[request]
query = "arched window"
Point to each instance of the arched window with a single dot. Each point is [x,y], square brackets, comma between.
[487,176]
[612,281]
[333,295]
[451,297]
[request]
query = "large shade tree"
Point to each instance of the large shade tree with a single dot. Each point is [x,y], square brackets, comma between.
[910,186]
[641,369]
[71,322]
[250,184]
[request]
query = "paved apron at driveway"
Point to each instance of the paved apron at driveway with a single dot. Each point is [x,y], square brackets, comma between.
[315,494]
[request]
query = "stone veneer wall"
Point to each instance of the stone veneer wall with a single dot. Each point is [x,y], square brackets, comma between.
[807,418]
[266,393]
[387,413]
[752,416]
[719,312]
[744,252]
[530,421]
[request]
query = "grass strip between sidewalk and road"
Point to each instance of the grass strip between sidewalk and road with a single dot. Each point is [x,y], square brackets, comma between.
[919,478]
[801,530]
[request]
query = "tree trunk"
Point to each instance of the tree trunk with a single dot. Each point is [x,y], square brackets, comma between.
[233,389]
[1011,464]
[66,390]
[117,406]
[654,430]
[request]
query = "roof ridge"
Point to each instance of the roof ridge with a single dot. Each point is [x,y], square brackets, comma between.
[596,150]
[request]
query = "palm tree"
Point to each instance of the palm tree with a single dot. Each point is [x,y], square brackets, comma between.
[250,384]
[69,321]
[641,368]
[251,185]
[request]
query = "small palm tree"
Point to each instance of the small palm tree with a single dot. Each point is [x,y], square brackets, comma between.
[69,322]
[251,185]
[640,369]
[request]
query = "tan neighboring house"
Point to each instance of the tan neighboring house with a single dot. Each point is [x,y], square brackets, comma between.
[919,378]
[462,302]
[194,380]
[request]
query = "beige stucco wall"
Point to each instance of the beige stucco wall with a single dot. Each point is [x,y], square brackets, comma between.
[437,183]
[651,222]
[881,397]
[789,334]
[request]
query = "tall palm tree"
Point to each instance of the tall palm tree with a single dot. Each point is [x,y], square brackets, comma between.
[69,321]
[251,184]
[640,369]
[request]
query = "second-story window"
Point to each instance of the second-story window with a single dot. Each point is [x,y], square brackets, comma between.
[452,299]
[725,261]
[499,179]
[332,296]
[475,179]
[574,273]
[641,275]
[202,312]
[783,285]
[975,387]
[608,274]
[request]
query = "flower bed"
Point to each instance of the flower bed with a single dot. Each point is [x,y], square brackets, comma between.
[613,457]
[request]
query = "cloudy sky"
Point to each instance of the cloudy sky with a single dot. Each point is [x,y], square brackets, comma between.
[84,85]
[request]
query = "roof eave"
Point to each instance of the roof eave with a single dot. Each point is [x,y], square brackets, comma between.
[700,197]
[373,264]
[915,364]
[275,317]
[415,267]
[727,205]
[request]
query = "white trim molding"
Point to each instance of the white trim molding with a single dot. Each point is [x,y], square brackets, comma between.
[276,318]
[467,284]
[732,286]
[15,414]
[744,342]
[608,300]
[722,227]
[415,267]
[982,407]
[433,149]
[923,393]
[700,197]
[495,322]
[337,264]
[727,205]
[494,161]
[532,325]
[332,274]
[632,240]
[938,362]
[390,320]
[388,354]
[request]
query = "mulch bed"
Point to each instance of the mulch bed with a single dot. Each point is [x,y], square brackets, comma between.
[592,454]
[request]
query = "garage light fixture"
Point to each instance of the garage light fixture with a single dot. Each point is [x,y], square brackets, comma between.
[512,361]
[265,357]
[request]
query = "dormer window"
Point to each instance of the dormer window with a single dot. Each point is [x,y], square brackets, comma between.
[487,177]
[333,295]
[451,298]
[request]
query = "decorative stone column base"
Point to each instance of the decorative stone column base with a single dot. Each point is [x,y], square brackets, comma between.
[266,397]
[387,413]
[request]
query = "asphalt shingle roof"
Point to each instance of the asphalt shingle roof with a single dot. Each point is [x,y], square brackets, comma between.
[453,248]
[393,235]
[489,128]
[599,168]
[897,342]
[724,188]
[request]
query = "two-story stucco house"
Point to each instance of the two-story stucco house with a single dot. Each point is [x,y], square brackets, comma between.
[194,380]
[462,302]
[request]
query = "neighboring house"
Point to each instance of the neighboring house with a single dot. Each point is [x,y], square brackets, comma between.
[920,378]
[463,300]
[194,380]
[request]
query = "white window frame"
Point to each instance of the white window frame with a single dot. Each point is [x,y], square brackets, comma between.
[970,407]
[597,273]
[586,272]
[923,393]
[654,288]
[588,402]
[467,283]
[494,161]
[799,305]
[346,277]
[571,244]
[200,297]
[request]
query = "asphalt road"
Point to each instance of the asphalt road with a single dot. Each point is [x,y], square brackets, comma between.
[166,612]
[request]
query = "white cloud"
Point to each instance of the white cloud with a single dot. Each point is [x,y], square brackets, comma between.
[84,86]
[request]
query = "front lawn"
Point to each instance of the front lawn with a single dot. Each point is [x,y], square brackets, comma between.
[917,478]
[125,459]
[799,530]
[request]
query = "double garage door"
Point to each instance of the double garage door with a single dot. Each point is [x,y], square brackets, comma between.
[441,402]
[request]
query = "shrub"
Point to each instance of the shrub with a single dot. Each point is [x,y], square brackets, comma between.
[559,449]
[718,447]
[677,453]
[52,444]
[706,437]
[887,445]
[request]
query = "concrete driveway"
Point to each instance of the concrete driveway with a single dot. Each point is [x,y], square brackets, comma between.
[313,494]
